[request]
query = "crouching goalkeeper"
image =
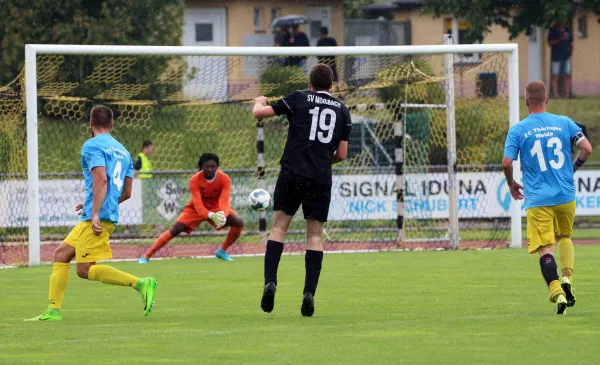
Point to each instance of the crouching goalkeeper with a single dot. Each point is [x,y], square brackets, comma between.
[210,189]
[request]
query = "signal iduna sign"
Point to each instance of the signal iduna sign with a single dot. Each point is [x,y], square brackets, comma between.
[480,195]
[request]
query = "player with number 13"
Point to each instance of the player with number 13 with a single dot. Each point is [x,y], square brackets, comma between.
[543,143]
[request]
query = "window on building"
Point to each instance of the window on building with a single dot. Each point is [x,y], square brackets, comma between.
[582,27]
[463,27]
[315,28]
[258,19]
[204,32]
[274,13]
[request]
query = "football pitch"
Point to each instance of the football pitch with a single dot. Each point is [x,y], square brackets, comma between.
[461,307]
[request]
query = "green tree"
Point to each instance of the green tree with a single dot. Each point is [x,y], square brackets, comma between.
[353,10]
[482,14]
[118,22]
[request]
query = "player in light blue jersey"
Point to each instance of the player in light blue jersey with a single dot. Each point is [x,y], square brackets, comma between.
[542,141]
[108,174]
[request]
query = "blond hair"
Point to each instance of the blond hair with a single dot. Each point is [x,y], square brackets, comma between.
[535,93]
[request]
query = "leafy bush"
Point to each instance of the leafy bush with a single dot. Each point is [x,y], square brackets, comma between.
[279,80]
[480,133]
[405,82]
[480,129]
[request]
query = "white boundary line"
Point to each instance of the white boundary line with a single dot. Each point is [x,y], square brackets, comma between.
[336,252]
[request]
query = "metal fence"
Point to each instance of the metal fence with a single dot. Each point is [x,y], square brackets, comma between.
[369,32]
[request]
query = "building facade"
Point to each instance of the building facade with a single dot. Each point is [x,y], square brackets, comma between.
[534,51]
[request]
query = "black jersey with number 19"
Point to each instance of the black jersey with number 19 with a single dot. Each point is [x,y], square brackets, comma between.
[317,124]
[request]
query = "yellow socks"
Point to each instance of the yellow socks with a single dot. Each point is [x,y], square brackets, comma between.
[110,275]
[58,284]
[555,290]
[106,274]
[567,256]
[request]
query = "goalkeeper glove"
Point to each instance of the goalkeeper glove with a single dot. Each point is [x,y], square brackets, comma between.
[218,217]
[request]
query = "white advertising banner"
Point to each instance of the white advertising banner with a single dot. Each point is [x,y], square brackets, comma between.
[481,195]
[58,199]
[587,190]
[353,197]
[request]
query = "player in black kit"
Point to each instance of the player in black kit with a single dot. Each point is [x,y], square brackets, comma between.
[319,127]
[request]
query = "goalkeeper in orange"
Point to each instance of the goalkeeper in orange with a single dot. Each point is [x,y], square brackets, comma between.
[211,190]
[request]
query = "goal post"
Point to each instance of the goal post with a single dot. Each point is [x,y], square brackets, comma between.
[33,174]
[451,136]
[397,131]
[513,110]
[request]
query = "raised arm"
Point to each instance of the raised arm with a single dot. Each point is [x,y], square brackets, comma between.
[286,105]
[262,109]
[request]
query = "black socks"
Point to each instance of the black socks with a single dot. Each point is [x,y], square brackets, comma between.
[313,261]
[549,268]
[272,257]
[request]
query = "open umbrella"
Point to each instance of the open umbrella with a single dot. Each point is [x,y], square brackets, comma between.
[288,21]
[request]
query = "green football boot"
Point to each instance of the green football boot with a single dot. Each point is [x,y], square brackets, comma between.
[147,289]
[50,314]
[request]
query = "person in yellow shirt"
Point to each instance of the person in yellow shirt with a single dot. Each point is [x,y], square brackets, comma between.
[142,164]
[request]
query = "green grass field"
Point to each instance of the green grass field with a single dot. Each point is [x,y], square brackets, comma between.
[463,307]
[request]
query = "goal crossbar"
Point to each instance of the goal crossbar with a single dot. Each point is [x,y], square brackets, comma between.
[269,51]
[32,50]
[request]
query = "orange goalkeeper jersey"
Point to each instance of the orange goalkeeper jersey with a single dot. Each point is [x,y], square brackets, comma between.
[210,196]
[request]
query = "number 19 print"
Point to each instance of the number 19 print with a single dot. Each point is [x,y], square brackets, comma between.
[320,122]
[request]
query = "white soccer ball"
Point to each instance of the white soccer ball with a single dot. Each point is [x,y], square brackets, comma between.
[259,199]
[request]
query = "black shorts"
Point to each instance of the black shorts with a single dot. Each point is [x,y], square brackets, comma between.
[293,190]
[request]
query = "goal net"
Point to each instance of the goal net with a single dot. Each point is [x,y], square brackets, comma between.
[422,170]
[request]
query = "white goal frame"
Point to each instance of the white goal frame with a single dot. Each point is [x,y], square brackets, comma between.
[33,50]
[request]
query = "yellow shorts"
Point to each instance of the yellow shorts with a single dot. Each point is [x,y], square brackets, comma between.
[88,246]
[546,223]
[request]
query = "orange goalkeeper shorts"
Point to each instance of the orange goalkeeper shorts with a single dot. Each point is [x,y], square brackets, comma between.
[191,219]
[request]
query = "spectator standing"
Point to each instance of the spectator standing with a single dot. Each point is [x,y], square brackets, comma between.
[297,38]
[561,42]
[278,37]
[282,38]
[142,164]
[326,41]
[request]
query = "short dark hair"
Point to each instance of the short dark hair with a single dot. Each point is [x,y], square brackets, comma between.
[324,30]
[321,77]
[146,143]
[101,116]
[208,156]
